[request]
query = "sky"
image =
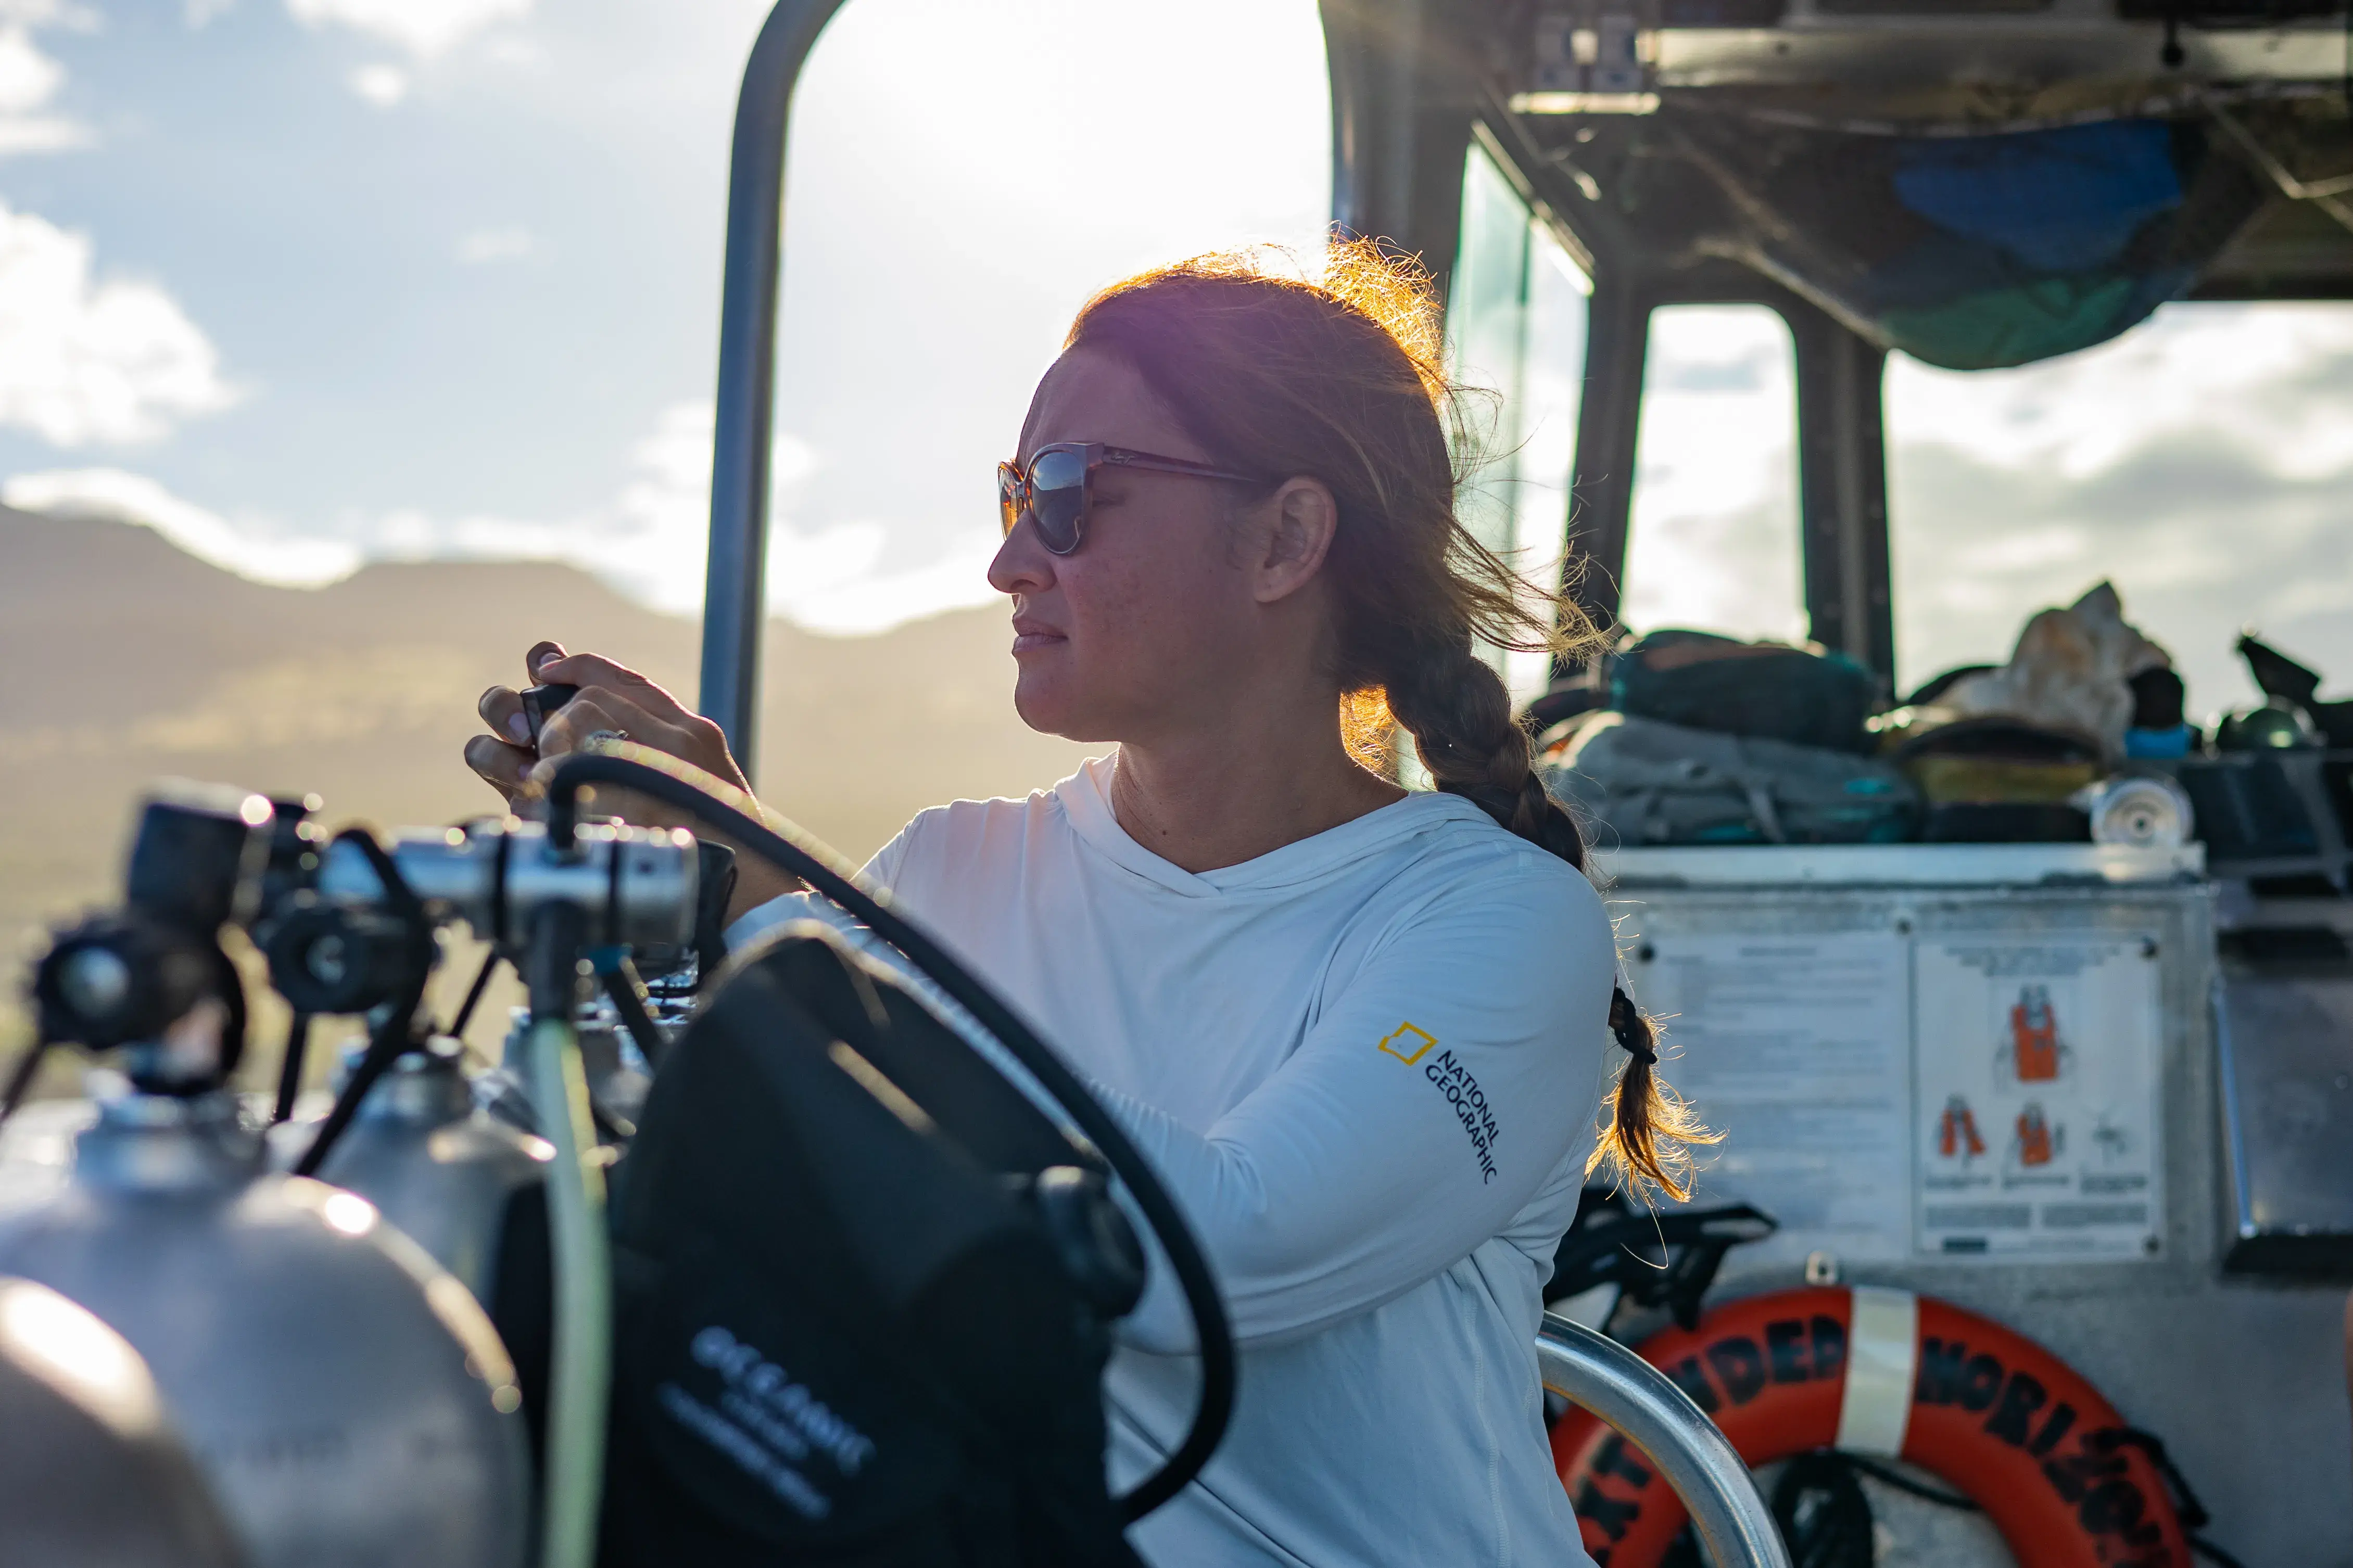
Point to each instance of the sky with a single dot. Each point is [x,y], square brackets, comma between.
[308,283]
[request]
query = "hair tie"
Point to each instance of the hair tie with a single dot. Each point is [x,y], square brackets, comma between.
[1624,1023]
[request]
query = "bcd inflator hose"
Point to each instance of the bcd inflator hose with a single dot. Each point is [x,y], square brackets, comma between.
[580,1375]
[690,789]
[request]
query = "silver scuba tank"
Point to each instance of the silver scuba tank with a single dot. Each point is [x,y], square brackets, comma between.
[91,1470]
[347,1398]
[440,1172]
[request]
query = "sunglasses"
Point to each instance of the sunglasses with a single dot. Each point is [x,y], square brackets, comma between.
[1058,488]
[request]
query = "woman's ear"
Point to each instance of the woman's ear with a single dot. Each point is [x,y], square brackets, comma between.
[1295,533]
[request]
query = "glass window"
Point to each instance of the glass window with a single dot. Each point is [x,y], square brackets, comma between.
[1515,329]
[1712,541]
[2203,462]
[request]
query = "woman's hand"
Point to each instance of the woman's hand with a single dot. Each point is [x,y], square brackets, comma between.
[612,699]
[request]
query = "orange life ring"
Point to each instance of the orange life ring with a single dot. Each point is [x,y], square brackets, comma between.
[1888,1373]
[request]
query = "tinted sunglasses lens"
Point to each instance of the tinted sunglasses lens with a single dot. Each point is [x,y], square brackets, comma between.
[1057,495]
[1009,497]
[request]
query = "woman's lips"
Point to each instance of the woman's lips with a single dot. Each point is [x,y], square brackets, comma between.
[1028,636]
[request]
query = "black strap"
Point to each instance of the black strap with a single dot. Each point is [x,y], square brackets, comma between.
[1626,1024]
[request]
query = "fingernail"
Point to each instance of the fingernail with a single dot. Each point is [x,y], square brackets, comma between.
[519,727]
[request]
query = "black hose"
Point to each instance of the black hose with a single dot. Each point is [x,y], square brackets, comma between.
[474,995]
[628,994]
[396,1032]
[1888,1475]
[290,1067]
[391,1036]
[20,1079]
[816,866]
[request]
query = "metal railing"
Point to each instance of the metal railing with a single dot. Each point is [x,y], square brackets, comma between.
[1602,1376]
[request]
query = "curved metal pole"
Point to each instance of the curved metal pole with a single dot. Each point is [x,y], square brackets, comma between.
[735,586]
[1635,1397]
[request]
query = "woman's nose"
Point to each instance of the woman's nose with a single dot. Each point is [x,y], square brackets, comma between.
[1022,565]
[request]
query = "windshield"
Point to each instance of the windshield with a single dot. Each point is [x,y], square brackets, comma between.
[2202,462]
[1515,318]
[1713,540]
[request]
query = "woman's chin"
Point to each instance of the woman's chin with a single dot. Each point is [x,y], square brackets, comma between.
[1046,706]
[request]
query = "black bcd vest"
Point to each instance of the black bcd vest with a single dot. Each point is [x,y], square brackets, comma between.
[863,1291]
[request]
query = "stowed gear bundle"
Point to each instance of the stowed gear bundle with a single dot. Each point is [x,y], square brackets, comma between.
[855,1296]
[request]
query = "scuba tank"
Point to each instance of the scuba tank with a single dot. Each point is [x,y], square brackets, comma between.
[456,1180]
[91,1470]
[346,1398]
[350,1402]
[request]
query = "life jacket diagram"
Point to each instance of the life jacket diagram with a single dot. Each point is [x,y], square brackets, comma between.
[2035,1051]
[2037,1140]
[1956,1131]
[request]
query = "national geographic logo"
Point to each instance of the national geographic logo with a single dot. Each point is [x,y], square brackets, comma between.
[1411,1045]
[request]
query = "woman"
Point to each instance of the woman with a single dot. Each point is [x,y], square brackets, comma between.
[1360,1031]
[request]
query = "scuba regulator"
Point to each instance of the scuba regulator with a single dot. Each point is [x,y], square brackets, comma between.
[854,1300]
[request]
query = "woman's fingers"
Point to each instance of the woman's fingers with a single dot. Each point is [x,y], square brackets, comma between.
[502,710]
[611,697]
[506,769]
[565,730]
[628,701]
[587,670]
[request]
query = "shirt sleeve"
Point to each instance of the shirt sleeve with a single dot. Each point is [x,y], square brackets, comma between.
[881,872]
[1434,1098]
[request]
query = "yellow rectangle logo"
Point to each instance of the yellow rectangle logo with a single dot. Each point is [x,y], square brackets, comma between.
[1408,1043]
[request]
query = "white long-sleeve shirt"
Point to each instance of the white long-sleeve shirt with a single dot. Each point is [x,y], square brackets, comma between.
[1367,1066]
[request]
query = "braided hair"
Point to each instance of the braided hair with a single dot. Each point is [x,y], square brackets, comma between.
[1342,378]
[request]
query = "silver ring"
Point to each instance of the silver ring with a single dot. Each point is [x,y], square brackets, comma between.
[604,737]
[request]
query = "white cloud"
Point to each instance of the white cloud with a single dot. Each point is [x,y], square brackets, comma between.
[512,243]
[83,360]
[248,550]
[28,80]
[49,13]
[865,599]
[833,580]
[381,85]
[2239,372]
[648,541]
[199,13]
[424,27]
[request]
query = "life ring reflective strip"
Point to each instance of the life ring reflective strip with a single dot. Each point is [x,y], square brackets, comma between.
[1884,1371]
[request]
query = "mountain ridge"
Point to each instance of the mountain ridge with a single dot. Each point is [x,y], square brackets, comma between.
[133,660]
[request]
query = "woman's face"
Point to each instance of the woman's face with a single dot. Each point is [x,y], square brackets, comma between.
[1162,616]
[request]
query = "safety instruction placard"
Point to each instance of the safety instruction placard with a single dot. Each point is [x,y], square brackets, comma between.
[2037,1097]
[1798,1050]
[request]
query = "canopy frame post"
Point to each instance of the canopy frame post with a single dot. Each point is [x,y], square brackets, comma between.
[1403,103]
[734,592]
[1843,489]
